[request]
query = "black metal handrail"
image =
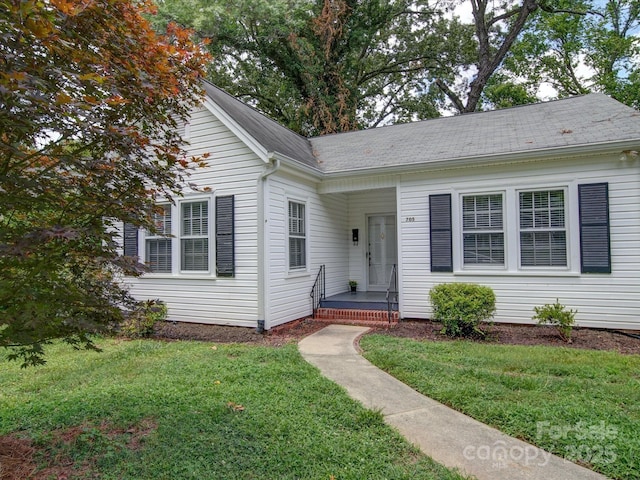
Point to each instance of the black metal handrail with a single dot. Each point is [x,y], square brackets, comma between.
[392,291]
[317,292]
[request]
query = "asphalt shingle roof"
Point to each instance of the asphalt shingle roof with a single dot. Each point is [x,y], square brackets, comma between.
[267,132]
[577,121]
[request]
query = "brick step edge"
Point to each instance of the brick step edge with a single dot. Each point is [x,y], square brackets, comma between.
[352,314]
[359,323]
[346,314]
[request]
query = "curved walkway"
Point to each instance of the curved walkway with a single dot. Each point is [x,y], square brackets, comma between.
[449,437]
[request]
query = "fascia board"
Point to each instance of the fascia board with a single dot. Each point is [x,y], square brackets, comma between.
[237,130]
[295,166]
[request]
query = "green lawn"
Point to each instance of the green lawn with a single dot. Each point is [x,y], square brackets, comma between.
[188,410]
[583,405]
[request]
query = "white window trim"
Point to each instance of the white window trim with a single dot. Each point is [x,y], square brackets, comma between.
[297,271]
[176,251]
[511,219]
[568,199]
[180,237]
[460,223]
[163,236]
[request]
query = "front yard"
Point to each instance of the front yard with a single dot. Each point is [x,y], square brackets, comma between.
[582,405]
[177,410]
[190,410]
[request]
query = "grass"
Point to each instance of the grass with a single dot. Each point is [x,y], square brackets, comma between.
[199,411]
[579,404]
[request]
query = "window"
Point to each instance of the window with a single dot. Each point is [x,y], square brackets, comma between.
[543,235]
[157,245]
[188,234]
[297,236]
[194,236]
[483,230]
[522,230]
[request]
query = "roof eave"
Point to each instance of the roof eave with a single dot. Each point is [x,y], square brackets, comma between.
[297,165]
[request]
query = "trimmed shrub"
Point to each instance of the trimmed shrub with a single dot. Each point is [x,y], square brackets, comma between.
[461,307]
[140,322]
[557,315]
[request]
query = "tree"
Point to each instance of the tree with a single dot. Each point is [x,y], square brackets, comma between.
[90,103]
[496,27]
[595,50]
[319,66]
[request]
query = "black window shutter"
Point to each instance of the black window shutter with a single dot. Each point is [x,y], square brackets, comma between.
[440,233]
[130,235]
[595,245]
[225,257]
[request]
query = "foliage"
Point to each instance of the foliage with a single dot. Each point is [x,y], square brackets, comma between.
[294,424]
[557,315]
[495,27]
[461,307]
[353,283]
[579,404]
[597,50]
[324,66]
[90,99]
[321,66]
[139,323]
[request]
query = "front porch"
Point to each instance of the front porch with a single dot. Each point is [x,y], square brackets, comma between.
[371,223]
[357,301]
[360,308]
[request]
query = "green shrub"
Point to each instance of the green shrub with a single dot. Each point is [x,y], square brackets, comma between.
[557,315]
[140,322]
[461,307]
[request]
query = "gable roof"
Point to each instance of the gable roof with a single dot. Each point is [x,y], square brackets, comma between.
[583,121]
[576,121]
[267,132]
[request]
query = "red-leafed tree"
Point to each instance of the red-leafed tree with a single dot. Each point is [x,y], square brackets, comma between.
[90,101]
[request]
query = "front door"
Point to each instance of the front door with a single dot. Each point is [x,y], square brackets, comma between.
[382,252]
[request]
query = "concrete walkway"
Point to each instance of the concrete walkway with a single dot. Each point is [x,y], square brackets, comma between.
[449,437]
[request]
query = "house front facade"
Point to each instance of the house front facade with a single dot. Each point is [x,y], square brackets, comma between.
[540,202]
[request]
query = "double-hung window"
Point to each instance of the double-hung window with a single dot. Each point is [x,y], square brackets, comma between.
[194,236]
[297,236]
[483,230]
[157,244]
[190,237]
[543,232]
[523,229]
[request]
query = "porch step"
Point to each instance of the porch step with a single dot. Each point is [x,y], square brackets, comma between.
[369,318]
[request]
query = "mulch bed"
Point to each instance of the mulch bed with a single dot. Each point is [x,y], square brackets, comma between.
[512,334]
[627,342]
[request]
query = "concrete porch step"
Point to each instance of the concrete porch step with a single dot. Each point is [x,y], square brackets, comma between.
[369,318]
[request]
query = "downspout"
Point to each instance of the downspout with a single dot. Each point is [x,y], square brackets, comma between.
[263,253]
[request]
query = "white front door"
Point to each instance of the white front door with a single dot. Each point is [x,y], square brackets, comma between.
[382,250]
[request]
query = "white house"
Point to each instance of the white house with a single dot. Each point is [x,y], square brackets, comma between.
[538,202]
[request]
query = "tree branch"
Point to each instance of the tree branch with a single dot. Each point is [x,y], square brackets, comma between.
[451,94]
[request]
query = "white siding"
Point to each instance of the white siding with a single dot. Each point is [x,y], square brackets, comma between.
[328,239]
[233,169]
[602,300]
